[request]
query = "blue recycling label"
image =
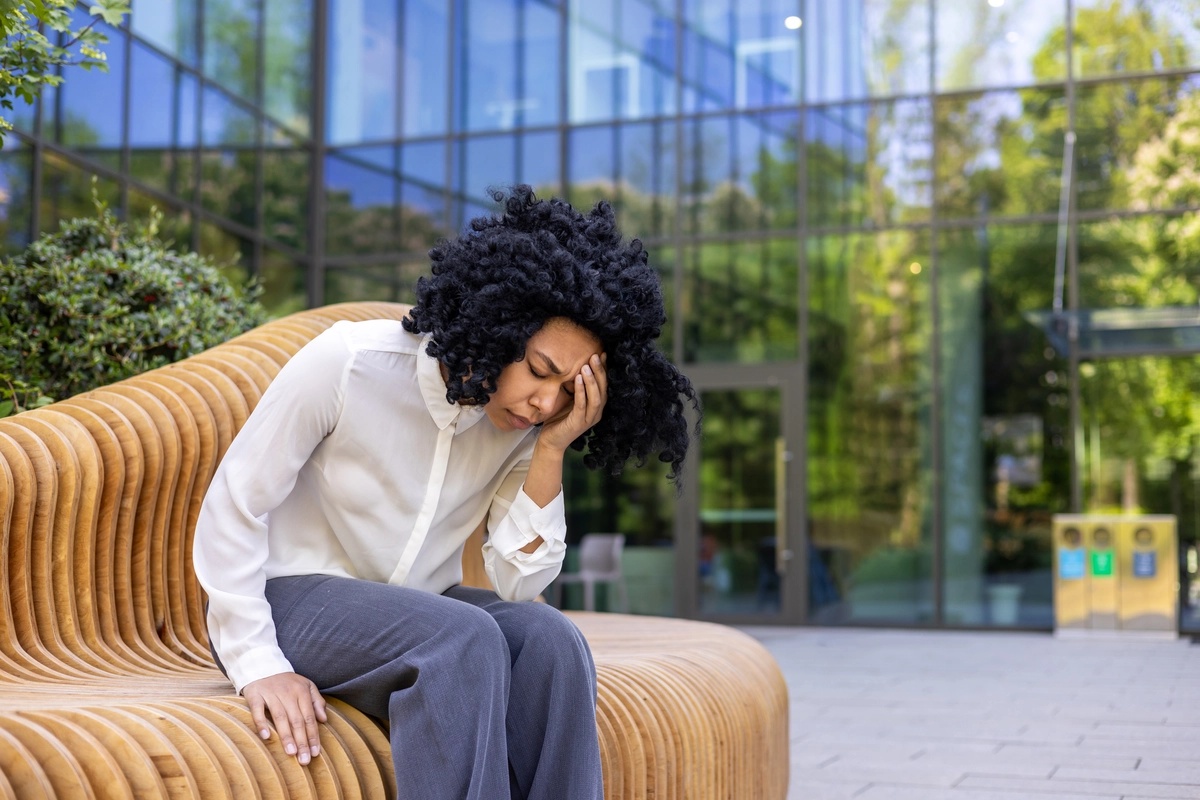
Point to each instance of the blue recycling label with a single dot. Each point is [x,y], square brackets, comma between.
[1145,563]
[1071,563]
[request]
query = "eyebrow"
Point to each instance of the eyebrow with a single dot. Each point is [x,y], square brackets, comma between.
[549,363]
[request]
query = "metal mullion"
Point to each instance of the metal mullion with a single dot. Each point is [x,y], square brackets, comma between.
[260,80]
[1075,413]
[448,190]
[798,610]
[126,157]
[937,463]
[314,274]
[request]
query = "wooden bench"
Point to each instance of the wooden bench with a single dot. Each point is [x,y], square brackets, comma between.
[107,688]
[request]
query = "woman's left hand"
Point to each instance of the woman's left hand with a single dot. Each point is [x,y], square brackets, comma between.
[591,393]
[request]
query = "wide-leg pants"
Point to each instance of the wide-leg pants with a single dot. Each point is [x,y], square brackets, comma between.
[484,698]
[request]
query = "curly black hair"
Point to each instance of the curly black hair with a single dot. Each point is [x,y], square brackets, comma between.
[493,287]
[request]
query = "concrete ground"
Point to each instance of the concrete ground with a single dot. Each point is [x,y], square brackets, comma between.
[942,715]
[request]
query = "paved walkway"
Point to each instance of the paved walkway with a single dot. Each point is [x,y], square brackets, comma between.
[903,715]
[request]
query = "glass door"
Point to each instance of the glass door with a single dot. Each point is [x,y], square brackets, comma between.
[739,510]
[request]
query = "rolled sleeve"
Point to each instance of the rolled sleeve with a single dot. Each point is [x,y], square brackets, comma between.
[517,575]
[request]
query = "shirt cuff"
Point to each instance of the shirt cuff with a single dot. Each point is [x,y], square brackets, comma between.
[261,662]
[529,521]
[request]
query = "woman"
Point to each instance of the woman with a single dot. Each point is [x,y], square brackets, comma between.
[331,537]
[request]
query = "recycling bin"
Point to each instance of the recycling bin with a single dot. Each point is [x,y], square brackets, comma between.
[1148,566]
[1072,609]
[1103,593]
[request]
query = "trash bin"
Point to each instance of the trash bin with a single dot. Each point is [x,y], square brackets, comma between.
[1071,604]
[1148,563]
[1115,573]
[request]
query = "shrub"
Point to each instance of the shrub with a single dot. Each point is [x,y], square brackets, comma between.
[99,301]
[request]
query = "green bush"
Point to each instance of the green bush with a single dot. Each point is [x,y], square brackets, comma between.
[99,301]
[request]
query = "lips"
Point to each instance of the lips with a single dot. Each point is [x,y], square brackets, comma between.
[520,423]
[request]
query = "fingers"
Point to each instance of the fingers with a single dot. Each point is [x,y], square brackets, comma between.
[295,707]
[595,386]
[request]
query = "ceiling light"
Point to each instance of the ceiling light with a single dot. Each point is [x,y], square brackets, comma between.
[793,23]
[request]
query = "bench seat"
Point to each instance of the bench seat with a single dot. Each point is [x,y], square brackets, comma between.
[107,687]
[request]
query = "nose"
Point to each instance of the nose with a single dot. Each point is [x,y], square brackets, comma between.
[546,401]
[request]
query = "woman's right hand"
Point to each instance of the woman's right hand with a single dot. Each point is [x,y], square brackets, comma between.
[295,706]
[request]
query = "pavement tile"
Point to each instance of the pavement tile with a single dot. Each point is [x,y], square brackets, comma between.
[1072,788]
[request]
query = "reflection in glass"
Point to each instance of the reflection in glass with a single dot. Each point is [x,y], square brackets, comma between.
[67,191]
[360,208]
[395,283]
[282,282]
[232,254]
[740,54]
[506,51]
[1000,153]
[231,38]
[738,509]
[1123,137]
[632,167]
[1139,262]
[640,503]
[286,170]
[426,90]
[866,48]
[174,226]
[1120,36]
[1012,43]
[1005,424]
[622,59]
[287,62]
[662,261]
[740,172]
[362,64]
[1141,434]
[16,173]
[169,25]
[869,493]
[87,109]
[422,193]
[869,164]
[162,136]
[740,301]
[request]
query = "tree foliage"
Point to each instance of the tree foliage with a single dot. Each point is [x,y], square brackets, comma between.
[100,301]
[40,38]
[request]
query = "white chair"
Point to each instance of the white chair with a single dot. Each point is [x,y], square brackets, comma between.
[599,562]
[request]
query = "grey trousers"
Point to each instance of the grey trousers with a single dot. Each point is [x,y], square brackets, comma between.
[484,698]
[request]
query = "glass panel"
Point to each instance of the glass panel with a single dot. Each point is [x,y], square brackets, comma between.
[640,503]
[233,255]
[1000,153]
[485,162]
[631,166]
[1139,262]
[738,501]
[485,52]
[740,54]
[422,194]
[540,78]
[622,59]
[1006,431]
[662,261]
[740,173]
[740,301]
[426,82]
[1141,433]
[539,155]
[227,185]
[869,48]
[1000,43]
[162,129]
[869,482]
[16,175]
[175,225]
[287,62]
[282,281]
[231,45]
[1122,130]
[287,167]
[169,25]
[89,103]
[361,82]
[226,121]
[394,283]
[869,164]
[1117,36]
[67,192]
[360,208]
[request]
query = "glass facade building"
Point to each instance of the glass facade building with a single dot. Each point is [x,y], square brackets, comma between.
[933,266]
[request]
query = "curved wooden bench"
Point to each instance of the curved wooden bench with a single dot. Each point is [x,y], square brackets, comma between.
[107,687]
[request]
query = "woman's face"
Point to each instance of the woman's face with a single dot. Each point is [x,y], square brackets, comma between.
[540,386]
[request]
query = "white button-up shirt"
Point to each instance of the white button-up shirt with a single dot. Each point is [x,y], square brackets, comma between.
[354,464]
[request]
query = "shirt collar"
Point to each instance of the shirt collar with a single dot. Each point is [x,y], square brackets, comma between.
[433,390]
